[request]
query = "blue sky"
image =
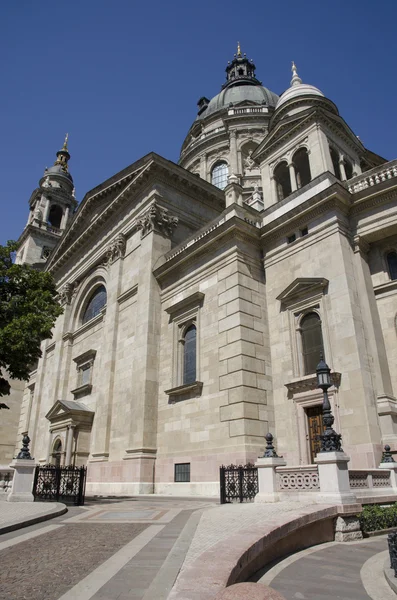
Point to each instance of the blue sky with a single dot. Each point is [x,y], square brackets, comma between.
[123,77]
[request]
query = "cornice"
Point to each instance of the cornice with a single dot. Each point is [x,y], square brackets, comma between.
[234,227]
[44,233]
[291,128]
[153,172]
[316,206]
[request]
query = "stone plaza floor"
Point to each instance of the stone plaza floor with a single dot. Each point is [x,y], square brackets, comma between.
[135,549]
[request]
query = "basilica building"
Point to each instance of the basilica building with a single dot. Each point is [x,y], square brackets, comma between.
[199,296]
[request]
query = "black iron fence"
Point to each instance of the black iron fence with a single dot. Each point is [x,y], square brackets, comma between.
[238,483]
[392,541]
[65,484]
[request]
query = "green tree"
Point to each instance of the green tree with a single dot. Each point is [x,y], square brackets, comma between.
[28,311]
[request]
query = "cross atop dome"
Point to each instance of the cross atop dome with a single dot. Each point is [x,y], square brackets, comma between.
[240,71]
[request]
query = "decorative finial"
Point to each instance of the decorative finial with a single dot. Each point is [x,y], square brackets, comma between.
[65,143]
[238,49]
[270,451]
[387,456]
[24,454]
[296,80]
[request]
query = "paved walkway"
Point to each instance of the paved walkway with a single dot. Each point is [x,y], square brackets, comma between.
[349,571]
[135,549]
[14,515]
[106,550]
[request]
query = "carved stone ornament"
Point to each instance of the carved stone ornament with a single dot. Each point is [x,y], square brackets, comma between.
[249,162]
[68,291]
[157,219]
[115,250]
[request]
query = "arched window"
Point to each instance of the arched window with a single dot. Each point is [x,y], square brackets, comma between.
[189,355]
[312,342]
[302,167]
[55,216]
[335,162]
[283,181]
[348,169]
[95,304]
[392,264]
[57,453]
[219,175]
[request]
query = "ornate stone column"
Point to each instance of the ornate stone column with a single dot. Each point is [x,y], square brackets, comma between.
[46,210]
[156,227]
[65,218]
[69,444]
[103,412]
[203,166]
[234,167]
[342,167]
[292,176]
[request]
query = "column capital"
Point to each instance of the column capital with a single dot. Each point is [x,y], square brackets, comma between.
[361,246]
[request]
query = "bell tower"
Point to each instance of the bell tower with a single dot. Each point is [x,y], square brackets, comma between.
[51,205]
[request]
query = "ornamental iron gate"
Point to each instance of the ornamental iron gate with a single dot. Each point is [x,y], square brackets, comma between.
[55,483]
[238,483]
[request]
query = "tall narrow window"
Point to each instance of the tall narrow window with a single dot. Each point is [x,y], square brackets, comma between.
[219,175]
[55,216]
[312,341]
[392,264]
[302,167]
[189,355]
[335,162]
[348,169]
[283,181]
[95,304]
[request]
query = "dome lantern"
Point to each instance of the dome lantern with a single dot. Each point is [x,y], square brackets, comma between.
[240,71]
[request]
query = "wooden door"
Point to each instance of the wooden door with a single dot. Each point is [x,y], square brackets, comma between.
[315,428]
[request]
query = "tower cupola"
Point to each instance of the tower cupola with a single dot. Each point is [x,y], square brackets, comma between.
[52,205]
[240,71]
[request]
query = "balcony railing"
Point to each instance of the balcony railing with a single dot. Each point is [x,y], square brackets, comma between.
[373,177]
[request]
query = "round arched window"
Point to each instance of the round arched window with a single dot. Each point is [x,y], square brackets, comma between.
[95,304]
[219,175]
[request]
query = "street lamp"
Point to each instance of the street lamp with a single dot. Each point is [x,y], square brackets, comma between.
[330,440]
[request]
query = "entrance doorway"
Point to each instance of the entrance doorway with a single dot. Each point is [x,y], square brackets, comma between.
[315,428]
[57,453]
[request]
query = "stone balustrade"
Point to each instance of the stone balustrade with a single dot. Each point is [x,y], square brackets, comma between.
[6,476]
[373,177]
[369,479]
[297,479]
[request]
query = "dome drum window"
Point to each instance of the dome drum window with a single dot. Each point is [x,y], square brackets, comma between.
[96,303]
[219,175]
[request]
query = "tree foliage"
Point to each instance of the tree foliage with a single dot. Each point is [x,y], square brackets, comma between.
[28,311]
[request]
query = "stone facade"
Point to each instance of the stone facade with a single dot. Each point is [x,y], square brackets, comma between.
[167,253]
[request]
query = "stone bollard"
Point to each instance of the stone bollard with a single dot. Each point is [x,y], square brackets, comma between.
[333,475]
[24,468]
[267,476]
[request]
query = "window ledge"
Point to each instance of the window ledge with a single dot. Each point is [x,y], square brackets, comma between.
[383,288]
[309,382]
[186,388]
[82,390]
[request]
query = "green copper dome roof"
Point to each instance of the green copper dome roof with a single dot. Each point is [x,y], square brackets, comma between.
[237,94]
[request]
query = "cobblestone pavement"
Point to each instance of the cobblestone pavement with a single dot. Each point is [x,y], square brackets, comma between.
[107,550]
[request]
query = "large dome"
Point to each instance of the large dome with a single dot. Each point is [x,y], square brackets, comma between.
[237,94]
